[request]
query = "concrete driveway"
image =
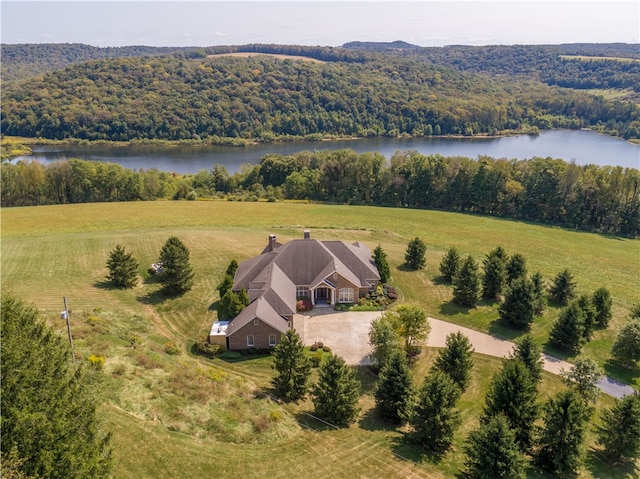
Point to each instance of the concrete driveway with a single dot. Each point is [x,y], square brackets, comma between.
[347,334]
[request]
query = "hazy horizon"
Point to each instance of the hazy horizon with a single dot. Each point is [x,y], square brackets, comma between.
[328,23]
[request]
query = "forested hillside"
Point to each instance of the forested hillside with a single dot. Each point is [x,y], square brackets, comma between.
[178,97]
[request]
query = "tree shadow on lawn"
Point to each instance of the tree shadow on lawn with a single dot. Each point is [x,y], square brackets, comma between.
[106,285]
[404,448]
[601,468]
[372,421]
[153,298]
[499,329]
[309,421]
[627,375]
[214,306]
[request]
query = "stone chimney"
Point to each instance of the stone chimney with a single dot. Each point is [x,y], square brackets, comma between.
[272,242]
[306,234]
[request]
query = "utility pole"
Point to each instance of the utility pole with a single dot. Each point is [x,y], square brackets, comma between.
[65,315]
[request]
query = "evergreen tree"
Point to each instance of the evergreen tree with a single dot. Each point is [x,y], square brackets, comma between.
[231,304]
[225,285]
[619,433]
[232,268]
[567,332]
[584,377]
[518,307]
[293,367]
[335,395]
[513,393]
[493,453]
[450,265]
[516,267]
[123,268]
[626,347]
[563,288]
[455,359]
[434,420]
[49,409]
[527,351]
[602,302]
[384,338]
[466,287]
[538,294]
[589,312]
[565,424]
[380,258]
[415,254]
[177,276]
[394,387]
[495,273]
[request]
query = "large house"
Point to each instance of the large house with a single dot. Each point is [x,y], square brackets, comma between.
[325,272]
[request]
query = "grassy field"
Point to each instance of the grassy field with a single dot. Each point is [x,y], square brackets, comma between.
[181,415]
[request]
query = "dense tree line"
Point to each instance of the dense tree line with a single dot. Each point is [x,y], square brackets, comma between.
[177,97]
[593,198]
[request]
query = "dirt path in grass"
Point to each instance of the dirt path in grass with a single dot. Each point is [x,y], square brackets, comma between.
[346,334]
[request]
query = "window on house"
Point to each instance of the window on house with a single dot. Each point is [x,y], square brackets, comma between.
[256,322]
[272,340]
[250,340]
[345,295]
[302,291]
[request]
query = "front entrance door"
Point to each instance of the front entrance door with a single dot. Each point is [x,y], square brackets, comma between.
[323,295]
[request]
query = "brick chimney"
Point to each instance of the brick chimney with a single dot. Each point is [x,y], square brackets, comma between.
[306,234]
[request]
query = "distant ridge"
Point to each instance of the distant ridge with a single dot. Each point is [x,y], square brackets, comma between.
[381,46]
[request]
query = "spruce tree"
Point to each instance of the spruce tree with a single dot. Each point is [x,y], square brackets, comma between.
[518,307]
[512,392]
[50,406]
[527,351]
[232,303]
[394,387]
[589,313]
[602,302]
[123,268]
[414,256]
[561,443]
[455,359]
[232,268]
[335,395]
[619,433]
[380,258]
[177,275]
[450,265]
[493,453]
[494,278]
[516,267]
[466,288]
[225,285]
[567,332]
[434,419]
[293,367]
[563,288]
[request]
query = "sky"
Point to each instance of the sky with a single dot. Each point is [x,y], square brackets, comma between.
[327,23]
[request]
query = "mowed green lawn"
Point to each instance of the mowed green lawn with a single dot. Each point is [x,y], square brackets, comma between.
[54,251]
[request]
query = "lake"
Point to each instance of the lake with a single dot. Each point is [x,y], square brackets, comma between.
[581,146]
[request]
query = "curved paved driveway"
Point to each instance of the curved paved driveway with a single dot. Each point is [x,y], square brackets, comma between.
[347,335]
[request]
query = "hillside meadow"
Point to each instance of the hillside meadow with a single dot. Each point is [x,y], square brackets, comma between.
[181,415]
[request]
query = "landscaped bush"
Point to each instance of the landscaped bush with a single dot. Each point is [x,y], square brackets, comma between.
[171,348]
[313,347]
[205,348]
[304,304]
[326,349]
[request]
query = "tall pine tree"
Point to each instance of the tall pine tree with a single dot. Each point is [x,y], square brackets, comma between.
[495,273]
[380,258]
[434,419]
[335,396]
[563,288]
[530,353]
[518,307]
[123,268]
[49,407]
[455,359]
[414,256]
[293,367]
[177,275]
[394,387]
[450,265]
[619,433]
[466,288]
[493,453]
[567,332]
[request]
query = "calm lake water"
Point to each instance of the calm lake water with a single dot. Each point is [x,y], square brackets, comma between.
[583,147]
